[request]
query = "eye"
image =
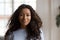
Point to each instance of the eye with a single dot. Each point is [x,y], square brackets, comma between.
[21,14]
[28,15]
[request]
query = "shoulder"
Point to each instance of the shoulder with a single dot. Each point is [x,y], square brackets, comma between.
[42,34]
[9,36]
[41,30]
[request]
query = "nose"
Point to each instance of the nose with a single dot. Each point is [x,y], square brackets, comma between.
[24,17]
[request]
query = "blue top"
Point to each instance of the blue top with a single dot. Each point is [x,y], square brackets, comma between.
[21,34]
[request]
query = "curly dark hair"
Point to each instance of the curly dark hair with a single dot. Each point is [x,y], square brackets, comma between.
[33,28]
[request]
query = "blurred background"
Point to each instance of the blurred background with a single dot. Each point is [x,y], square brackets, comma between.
[46,9]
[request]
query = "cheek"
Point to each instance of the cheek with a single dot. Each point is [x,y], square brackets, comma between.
[29,19]
[20,19]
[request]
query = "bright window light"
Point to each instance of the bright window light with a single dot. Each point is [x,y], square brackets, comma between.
[7,7]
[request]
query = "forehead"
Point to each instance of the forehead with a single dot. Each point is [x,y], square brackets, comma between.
[26,11]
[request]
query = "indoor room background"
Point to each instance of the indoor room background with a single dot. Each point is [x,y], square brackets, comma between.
[46,9]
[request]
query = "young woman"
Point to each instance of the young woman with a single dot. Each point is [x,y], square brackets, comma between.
[24,24]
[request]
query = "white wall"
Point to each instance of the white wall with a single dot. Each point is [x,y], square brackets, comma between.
[43,11]
[55,32]
[47,10]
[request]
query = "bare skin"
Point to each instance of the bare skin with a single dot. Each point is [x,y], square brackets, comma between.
[25,17]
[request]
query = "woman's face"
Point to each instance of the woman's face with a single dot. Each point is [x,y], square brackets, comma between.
[25,16]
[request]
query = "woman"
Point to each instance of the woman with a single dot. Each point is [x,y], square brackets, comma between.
[24,24]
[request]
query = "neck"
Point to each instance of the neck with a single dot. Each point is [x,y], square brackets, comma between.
[23,26]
